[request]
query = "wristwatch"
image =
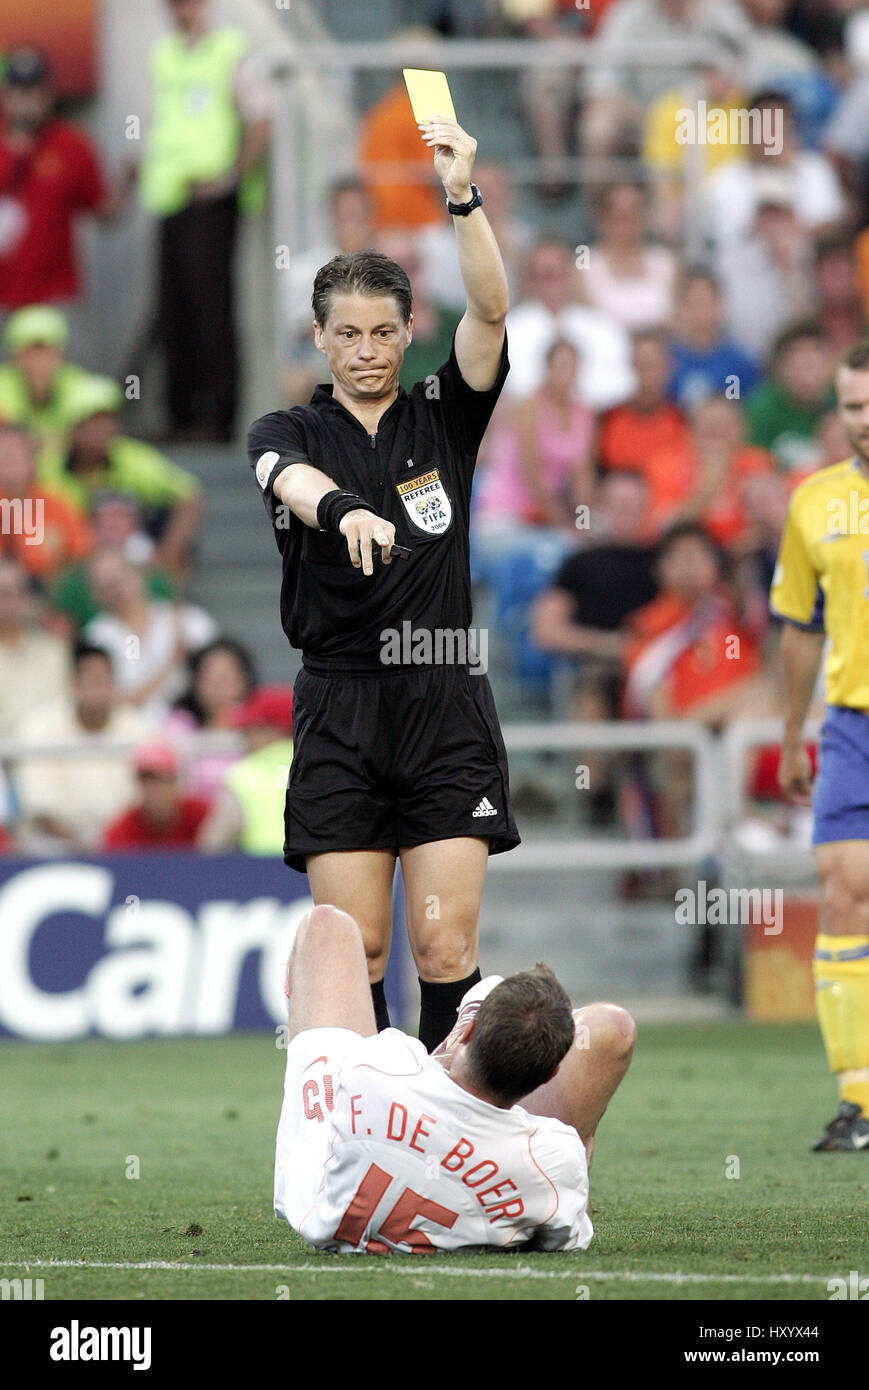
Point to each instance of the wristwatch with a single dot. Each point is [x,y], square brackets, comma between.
[462,209]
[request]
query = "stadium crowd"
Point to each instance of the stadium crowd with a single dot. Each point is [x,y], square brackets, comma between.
[632,486]
[100,645]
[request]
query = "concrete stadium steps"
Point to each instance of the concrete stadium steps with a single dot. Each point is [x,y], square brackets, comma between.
[596,944]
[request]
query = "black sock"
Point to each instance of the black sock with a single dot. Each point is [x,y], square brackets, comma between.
[378,999]
[439,1005]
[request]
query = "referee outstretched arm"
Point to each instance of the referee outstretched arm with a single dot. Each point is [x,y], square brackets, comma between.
[398,749]
[480,334]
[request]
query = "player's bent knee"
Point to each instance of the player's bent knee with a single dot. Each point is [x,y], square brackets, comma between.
[608,1026]
[327,925]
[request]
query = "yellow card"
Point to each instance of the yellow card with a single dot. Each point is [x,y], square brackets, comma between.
[429,94]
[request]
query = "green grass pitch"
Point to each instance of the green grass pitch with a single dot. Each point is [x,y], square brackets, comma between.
[199,1116]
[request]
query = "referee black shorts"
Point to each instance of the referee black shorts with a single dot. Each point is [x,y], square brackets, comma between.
[389,761]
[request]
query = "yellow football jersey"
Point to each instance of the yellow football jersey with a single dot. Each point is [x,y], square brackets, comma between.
[821,580]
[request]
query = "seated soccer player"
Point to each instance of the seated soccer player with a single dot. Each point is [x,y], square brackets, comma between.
[382,1147]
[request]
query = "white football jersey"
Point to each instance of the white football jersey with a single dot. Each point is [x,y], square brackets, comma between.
[409,1159]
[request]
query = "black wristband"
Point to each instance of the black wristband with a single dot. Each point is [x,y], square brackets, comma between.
[334,506]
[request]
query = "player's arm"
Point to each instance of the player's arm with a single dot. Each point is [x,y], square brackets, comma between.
[796,597]
[801,652]
[480,334]
[565,1165]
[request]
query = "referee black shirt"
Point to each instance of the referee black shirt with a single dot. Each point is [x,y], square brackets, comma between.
[416,471]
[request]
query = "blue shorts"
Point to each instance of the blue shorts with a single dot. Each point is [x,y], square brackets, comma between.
[841,795]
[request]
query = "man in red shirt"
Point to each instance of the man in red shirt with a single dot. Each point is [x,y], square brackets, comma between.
[49,173]
[165,817]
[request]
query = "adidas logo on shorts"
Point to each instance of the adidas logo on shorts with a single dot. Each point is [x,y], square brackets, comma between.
[485,808]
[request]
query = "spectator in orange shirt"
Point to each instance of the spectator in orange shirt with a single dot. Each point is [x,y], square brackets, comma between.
[43,533]
[390,149]
[689,654]
[704,478]
[688,651]
[629,433]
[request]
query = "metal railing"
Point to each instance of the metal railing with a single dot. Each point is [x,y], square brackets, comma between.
[536,852]
[718,784]
[582,852]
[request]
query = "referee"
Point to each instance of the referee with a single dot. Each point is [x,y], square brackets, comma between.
[397,753]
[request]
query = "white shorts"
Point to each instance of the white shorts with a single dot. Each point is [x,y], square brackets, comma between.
[314,1059]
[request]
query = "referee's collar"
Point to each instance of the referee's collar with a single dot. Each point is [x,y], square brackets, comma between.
[324,398]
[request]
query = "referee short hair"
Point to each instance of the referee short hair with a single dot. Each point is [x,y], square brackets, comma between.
[361,272]
[522,1031]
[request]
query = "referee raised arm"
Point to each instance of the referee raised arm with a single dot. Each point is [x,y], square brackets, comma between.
[397,745]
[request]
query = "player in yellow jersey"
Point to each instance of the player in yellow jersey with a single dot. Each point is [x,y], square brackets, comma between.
[821,589]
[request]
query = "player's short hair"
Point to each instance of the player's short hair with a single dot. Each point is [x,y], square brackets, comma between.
[361,272]
[522,1031]
[856,358]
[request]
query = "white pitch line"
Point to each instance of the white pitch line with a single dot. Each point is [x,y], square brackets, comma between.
[451,1271]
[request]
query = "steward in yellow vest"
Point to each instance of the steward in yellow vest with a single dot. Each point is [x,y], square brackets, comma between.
[203,163]
[196,131]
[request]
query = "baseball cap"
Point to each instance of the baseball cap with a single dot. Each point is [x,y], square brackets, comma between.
[38,323]
[271,704]
[25,67]
[93,396]
[156,757]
